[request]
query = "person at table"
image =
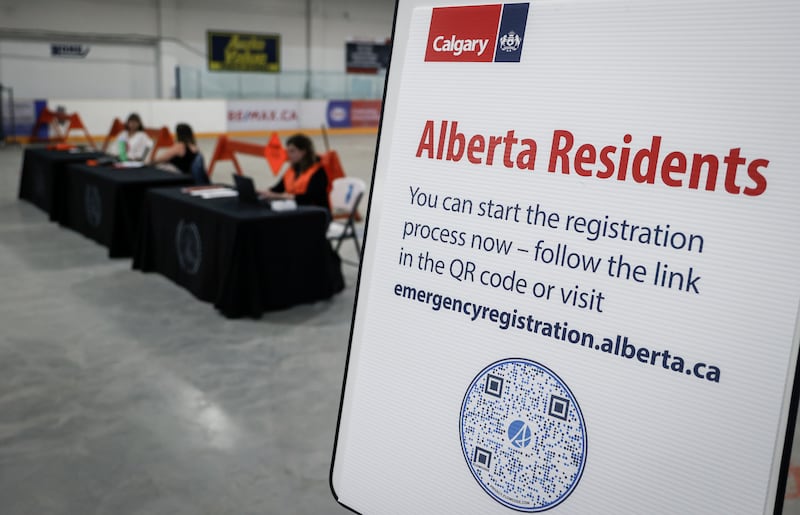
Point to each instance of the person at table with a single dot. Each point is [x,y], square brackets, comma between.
[305,181]
[133,143]
[182,154]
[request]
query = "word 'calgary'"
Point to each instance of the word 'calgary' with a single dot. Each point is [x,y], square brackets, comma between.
[457,46]
[733,173]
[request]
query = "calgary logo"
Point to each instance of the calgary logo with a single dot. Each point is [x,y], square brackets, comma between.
[472,33]
[510,42]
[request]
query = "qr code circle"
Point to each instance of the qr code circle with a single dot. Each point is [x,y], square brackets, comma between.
[523,435]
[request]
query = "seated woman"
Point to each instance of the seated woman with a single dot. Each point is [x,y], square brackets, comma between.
[133,143]
[305,181]
[182,154]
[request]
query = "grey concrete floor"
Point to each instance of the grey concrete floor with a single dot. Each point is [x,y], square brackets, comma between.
[120,393]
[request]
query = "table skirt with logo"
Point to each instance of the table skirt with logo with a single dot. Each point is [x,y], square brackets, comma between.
[42,180]
[105,203]
[243,258]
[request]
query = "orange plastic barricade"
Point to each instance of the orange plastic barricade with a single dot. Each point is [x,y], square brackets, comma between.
[332,165]
[161,138]
[793,483]
[227,149]
[54,120]
[117,126]
[275,154]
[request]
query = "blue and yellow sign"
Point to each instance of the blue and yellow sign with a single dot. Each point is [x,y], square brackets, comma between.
[237,52]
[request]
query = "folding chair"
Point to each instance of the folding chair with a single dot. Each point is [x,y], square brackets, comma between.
[199,171]
[345,197]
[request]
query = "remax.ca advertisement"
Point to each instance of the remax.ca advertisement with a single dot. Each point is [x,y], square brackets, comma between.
[579,290]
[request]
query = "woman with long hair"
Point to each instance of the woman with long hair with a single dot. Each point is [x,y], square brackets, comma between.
[182,154]
[133,143]
[305,181]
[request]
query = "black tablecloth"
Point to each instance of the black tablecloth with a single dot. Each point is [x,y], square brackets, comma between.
[105,203]
[242,258]
[42,180]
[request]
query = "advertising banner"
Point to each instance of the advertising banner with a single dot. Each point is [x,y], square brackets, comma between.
[354,113]
[363,57]
[263,115]
[365,113]
[229,51]
[339,114]
[579,289]
[70,50]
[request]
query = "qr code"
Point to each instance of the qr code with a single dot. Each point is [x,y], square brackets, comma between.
[523,435]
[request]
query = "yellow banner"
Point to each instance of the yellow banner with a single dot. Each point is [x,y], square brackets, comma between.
[228,51]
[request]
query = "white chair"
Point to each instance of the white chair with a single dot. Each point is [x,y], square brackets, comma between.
[345,196]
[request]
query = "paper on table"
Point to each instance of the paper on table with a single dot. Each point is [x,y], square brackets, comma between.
[129,164]
[201,187]
[218,193]
[283,205]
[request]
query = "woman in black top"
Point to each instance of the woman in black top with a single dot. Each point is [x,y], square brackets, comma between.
[306,181]
[182,154]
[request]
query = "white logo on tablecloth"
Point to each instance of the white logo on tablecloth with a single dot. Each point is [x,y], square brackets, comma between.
[93,206]
[188,247]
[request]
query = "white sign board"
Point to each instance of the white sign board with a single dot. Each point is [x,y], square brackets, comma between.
[579,290]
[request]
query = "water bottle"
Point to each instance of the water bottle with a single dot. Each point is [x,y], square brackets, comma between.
[123,150]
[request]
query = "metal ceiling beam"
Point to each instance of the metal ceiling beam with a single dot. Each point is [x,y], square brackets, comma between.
[55,36]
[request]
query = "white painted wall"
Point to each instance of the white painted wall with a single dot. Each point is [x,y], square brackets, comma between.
[81,16]
[136,45]
[107,71]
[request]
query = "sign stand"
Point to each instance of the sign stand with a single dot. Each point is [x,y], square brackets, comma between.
[579,290]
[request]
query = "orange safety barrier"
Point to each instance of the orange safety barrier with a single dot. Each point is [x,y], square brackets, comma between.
[117,126]
[273,152]
[161,136]
[54,120]
[227,149]
[793,483]
[332,165]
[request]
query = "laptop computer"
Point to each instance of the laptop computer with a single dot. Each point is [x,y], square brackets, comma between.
[247,191]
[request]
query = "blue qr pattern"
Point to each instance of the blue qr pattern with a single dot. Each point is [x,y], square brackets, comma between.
[529,478]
